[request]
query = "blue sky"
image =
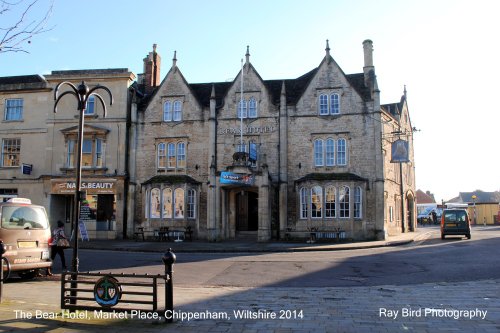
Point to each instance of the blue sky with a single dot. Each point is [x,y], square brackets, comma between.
[445,52]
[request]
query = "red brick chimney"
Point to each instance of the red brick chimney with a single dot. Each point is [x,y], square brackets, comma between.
[152,64]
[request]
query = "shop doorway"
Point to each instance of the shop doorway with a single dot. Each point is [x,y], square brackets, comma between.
[247,208]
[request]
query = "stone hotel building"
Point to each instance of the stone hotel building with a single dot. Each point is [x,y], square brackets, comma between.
[271,158]
[258,158]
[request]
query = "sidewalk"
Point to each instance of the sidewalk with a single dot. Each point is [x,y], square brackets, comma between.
[246,245]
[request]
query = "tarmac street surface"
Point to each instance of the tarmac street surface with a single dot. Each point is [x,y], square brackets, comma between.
[217,305]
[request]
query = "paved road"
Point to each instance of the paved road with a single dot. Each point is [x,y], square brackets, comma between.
[426,261]
[441,305]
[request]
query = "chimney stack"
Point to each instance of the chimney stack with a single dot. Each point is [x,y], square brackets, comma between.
[152,64]
[368,53]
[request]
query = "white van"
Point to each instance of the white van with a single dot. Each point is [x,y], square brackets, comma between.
[25,232]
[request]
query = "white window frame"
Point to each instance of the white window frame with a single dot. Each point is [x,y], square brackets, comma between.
[90,107]
[191,204]
[98,153]
[161,155]
[171,155]
[14,109]
[167,207]
[70,159]
[317,200]
[155,203]
[330,206]
[179,203]
[330,152]
[341,152]
[334,106]
[358,202]
[318,153]
[181,155]
[11,151]
[242,108]
[177,111]
[303,203]
[167,111]
[344,202]
[86,144]
[241,146]
[252,108]
[323,104]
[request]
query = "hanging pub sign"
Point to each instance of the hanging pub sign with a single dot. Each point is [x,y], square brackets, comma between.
[232,178]
[399,152]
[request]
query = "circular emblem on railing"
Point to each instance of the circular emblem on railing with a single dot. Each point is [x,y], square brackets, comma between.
[107,291]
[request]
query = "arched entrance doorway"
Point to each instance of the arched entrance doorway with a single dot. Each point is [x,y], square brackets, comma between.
[247,211]
[410,209]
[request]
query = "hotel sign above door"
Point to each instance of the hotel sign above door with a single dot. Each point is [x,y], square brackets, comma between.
[247,130]
[91,187]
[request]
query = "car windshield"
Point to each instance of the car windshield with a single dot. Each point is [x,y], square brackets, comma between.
[455,216]
[24,217]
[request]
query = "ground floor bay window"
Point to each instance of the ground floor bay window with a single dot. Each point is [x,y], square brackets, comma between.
[328,201]
[169,202]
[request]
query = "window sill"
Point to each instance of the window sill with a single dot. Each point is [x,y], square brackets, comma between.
[13,120]
[88,116]
[170,170]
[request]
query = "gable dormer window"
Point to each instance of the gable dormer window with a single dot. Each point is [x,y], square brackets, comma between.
[329,104]
[242,109]
[247,108]
[252,108]
[172,110]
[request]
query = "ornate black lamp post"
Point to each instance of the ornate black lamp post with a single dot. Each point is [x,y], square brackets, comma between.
[82,94]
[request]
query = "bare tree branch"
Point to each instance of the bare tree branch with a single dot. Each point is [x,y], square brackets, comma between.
[20,31]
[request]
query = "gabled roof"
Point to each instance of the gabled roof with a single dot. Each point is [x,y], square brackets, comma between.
[357,81]
[394,108]
[294,89]
[424,198]
[203,92]
[481,197]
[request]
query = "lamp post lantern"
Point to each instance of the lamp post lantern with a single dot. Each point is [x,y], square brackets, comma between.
[82,94]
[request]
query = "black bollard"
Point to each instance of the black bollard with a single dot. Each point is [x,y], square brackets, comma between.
[169,260]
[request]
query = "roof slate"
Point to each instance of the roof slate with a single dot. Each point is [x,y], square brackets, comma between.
[344,176]
[294,89]
[171,179]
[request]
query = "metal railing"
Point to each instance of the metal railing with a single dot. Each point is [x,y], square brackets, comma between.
[109,292]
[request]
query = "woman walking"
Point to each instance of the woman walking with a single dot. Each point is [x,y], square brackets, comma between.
[56,246]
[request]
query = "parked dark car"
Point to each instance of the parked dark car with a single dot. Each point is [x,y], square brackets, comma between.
[455,222]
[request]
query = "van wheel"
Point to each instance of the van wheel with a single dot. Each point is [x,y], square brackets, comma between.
[28,275]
